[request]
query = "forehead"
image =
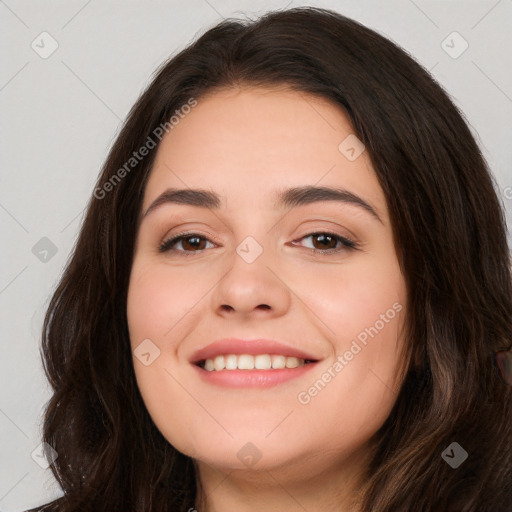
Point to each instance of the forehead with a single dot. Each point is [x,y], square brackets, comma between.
[247,143]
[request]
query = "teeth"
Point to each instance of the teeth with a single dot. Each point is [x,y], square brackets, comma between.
[218,363]
[249,362]
[245,362]
[278,362]
[262,362]
[292,362]
[231,362]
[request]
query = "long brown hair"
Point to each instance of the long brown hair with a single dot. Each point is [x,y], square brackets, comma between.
[450,236]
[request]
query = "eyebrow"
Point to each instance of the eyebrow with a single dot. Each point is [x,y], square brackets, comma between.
[288,198]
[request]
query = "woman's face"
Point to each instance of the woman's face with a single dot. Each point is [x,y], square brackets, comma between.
[248,272]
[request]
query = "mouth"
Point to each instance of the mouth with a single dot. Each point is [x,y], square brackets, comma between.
[250,363]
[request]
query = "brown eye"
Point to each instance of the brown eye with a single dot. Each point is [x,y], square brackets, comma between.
[190,242]
[325,243]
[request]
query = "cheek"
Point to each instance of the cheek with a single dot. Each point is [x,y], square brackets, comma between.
[352,302]
[157,300]
[352,395]
[362,315]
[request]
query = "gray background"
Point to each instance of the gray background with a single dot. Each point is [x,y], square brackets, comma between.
[60,114]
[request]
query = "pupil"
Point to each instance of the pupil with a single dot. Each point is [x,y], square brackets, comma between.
[324,237]
[194,244]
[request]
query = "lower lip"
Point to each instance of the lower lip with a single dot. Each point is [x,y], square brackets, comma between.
[252,378]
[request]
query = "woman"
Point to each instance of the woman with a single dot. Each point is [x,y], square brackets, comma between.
[210,350]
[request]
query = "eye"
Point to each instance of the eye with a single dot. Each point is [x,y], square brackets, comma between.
[188,241]
[325,240]
[194,242]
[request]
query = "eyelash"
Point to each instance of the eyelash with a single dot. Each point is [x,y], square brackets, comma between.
[348,244]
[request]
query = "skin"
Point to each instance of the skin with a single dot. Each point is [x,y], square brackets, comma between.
[245,144]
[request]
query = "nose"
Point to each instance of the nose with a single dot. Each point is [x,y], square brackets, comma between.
[249,289]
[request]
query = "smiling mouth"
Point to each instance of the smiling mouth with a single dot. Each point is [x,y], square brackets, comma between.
[252,362]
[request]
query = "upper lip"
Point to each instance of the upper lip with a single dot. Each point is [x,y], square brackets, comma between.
[251,347]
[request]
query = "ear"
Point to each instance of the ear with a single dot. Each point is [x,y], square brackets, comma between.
[503,363]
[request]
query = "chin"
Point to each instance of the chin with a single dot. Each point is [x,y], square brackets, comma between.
[248,449]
